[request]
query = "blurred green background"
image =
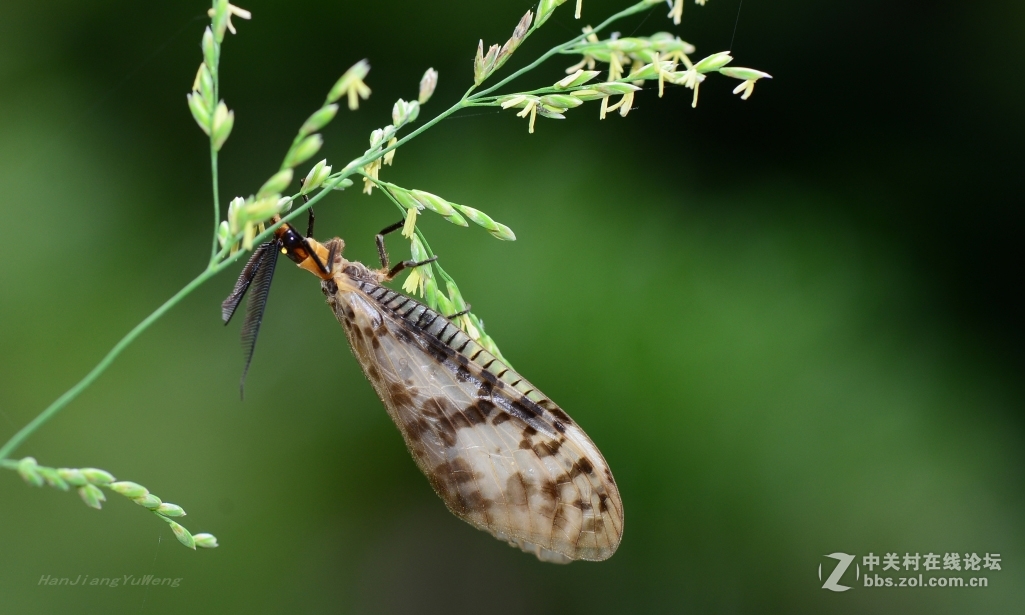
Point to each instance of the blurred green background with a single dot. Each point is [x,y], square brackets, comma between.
[790,323]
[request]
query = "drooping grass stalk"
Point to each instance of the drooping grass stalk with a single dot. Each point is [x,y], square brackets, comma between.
[637,8]
[90,484]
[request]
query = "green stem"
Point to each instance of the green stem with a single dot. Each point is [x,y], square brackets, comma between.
[217,201]
[493,101]
[215,74]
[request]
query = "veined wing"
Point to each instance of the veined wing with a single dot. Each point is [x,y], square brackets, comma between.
[502,456]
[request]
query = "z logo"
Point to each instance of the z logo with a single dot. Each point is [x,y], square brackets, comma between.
[843,561]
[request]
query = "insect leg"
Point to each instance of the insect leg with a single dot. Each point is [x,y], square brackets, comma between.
[381,251]
[407,265]
[309,227]
[459,313]
[331,254]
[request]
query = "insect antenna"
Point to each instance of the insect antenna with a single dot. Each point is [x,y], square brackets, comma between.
[245,278]
[258,273]
[262,279]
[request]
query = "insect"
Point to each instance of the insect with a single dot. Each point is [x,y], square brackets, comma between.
[502,456]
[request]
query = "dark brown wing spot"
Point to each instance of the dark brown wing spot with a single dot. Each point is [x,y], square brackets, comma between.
[457,471]
[603,502]
[474,415]
[468,502]
[485,390]
[555,446]
[550,489]
[451,483]
[544,449]
[529,431]
[445,420]
[400,395]
[460,421]
[416,429]
[437,407]
[556,412]
[403,336]
[443,486]
[583,505]
[438,353]
[373,372]
[447,434]
[485,407]
[583,467]
[500,418]
[593,524]
[526,409]
[559,427]
[516,490]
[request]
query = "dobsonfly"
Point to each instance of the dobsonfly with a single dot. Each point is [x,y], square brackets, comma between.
[503,456]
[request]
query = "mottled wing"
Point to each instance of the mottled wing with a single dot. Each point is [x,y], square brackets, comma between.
[502,456]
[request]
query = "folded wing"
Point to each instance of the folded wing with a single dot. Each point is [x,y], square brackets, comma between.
[502,456]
